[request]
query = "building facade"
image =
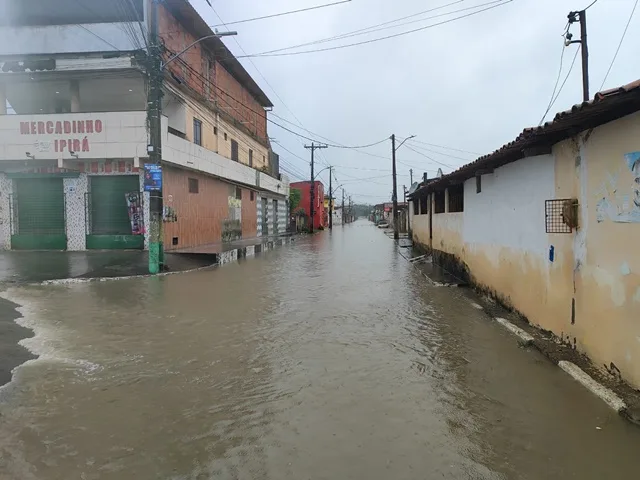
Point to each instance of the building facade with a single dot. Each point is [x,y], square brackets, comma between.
[550,225]
[74,137]
[319,216]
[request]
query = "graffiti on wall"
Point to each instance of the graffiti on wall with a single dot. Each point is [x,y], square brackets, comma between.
[618,202]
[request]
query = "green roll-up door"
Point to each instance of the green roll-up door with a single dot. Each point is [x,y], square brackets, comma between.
[39,214]
[110,226]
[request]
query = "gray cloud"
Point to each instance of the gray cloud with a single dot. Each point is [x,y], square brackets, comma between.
[473,84]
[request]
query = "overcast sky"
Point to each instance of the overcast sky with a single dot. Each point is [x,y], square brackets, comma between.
[472,84]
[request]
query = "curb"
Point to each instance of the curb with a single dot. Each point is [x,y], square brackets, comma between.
[606,395]
[226,257]
[525,338]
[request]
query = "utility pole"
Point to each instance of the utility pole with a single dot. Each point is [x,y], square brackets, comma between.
[411,175]
[350,210]
[312,197]
[404,189]
[394,198]
[330,201]
[154,116]
[342,207]
[581,16]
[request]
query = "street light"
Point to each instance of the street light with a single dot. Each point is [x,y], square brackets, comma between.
[215,35]
[394,149]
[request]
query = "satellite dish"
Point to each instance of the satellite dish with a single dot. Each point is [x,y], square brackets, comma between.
[439,175]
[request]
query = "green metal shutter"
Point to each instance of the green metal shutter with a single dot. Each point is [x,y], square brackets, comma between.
[109,213]
[40,214]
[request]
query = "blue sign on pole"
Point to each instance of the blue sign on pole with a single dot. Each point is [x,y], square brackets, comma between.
[152,177]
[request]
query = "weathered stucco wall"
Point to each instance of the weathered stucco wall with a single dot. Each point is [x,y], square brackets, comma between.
[589,293]
[603,173]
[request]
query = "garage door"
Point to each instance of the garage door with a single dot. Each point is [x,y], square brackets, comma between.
[39,214]
[109,225]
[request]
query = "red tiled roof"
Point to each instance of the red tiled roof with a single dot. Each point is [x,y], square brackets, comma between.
[605,107]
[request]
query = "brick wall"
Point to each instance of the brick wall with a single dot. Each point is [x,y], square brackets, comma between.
[201,72]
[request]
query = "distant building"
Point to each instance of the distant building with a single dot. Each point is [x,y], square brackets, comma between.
[305,204]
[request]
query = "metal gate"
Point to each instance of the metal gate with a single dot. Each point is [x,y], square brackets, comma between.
[38,214]
[265,217]
[108,225]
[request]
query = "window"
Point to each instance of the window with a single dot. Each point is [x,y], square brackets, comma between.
[252,196]
[197,131]
[416,206]
[424,204]
[193,185]
[478,183]
[234,151]
[215,130]
[438,201]
[238,193]
[250,158]
[456,198]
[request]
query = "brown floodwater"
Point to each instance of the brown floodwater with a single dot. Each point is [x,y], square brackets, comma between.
[331,358]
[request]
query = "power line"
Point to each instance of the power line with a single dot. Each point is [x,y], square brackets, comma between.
[555,87]
[565,78]
[380,38]
[437,152]
[370,29]
[413,140]
[428,157]
[619,44]
[591,5]
[281,14]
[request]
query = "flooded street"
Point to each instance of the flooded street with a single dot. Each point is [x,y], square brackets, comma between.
[331,358]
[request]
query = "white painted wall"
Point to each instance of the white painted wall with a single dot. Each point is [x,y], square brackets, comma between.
[60,39]
[509,212]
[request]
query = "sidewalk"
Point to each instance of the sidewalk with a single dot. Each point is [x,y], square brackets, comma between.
[220,247]
[36,266]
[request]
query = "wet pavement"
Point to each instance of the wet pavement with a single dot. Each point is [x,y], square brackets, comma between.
[331,358]
[38,266]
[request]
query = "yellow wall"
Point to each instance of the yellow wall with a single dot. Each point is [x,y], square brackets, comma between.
[218,143]
[598,265]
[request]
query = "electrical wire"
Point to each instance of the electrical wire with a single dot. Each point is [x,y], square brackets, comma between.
[237,22]
[591,5]
[425,149]
[370,29]
[428,157]
[565,78]
[413,140]
[624,33]
[555,87]
[380,38]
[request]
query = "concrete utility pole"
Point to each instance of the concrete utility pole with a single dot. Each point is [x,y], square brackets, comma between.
[394,196]
[312,200]
[330,200]
[411,175]
[581,16]
[342,216]
[154,114]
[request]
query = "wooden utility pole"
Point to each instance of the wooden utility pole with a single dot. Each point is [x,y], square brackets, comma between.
[312,189]
[394,198]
